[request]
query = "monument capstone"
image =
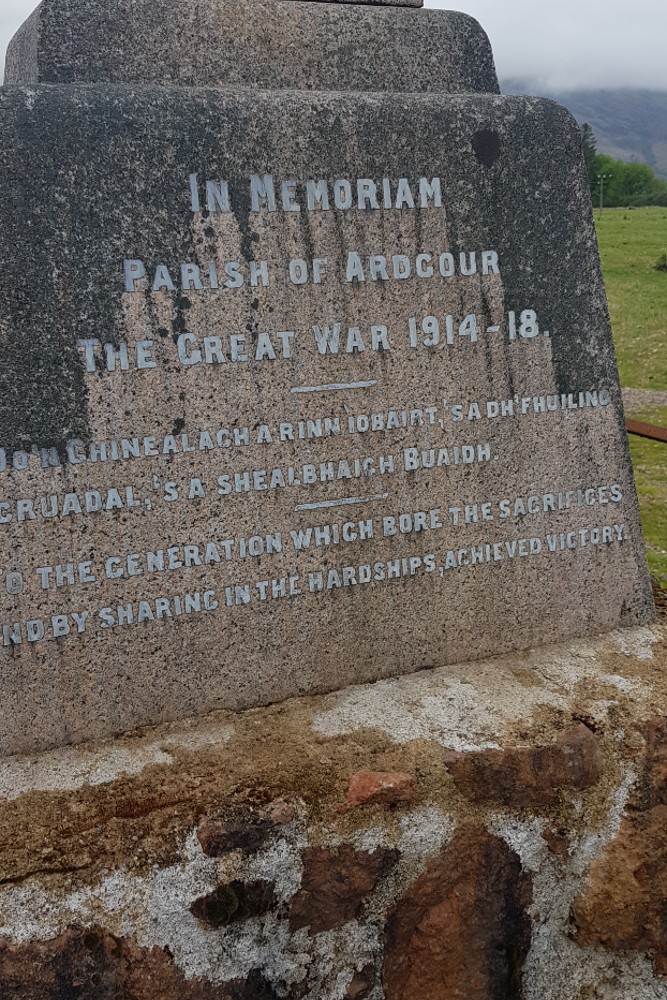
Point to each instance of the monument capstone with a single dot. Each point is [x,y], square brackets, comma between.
[307,373]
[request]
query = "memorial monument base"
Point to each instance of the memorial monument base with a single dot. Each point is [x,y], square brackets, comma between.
[493,830]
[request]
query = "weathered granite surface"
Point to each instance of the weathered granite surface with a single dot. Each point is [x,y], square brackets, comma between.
[372,3]
[237,858]
[312,558]
[265,44]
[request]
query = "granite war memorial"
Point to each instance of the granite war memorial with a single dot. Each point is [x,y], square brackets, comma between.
[328,660]
[307,370]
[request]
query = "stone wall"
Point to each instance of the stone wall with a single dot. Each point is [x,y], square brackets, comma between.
[490,831]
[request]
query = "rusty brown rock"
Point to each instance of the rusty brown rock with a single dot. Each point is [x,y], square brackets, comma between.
[461,931]
[219,836]
[380,788]
[280,812]
[361,984]
[91,964]
[88,959]
[335,884]
[557,842]
[239,828]
[530,778]
[624,905]
[255,987]
[233,902]
[651,787]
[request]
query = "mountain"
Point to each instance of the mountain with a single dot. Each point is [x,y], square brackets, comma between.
[629,125]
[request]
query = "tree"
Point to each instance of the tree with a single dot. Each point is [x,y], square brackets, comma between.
[590,153]
[608,172]
[626,185]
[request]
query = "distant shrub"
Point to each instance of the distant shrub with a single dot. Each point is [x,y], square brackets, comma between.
[616,184]
[661,262]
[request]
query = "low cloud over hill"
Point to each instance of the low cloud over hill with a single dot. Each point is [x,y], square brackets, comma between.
[628,124]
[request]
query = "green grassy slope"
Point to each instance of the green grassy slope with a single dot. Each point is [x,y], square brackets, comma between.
[649,459]
[631,240]
[630,244]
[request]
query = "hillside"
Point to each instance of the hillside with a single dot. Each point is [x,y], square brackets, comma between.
[628,124]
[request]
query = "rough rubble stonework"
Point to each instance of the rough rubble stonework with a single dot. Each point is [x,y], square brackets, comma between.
[221,859]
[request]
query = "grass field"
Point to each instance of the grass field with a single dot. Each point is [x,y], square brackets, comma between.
[631,241]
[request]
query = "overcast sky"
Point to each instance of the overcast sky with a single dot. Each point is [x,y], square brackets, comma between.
[576,43]
[569,43]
